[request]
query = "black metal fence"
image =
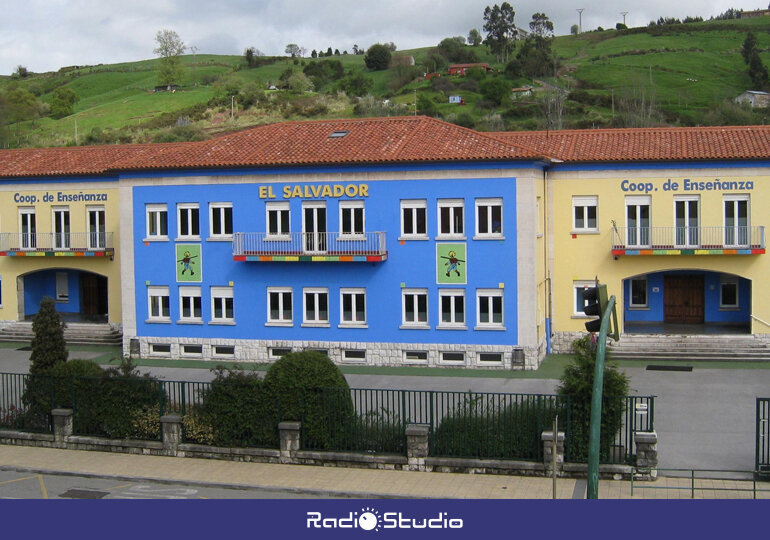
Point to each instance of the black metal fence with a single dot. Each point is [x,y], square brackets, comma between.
[461,424]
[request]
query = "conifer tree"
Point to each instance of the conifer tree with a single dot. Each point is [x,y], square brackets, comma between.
[48,345]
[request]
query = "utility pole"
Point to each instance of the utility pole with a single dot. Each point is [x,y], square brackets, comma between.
[580,24]
[194,50]
[232,107]
[624,13]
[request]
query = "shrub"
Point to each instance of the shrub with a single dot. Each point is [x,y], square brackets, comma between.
[48,346]
[196,429]
[234,412]
[577,383]
[482,427]
[294,390]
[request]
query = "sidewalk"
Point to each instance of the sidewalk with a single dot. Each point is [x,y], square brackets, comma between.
[360,483]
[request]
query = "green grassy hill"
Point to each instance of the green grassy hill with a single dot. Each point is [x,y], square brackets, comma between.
[685,74]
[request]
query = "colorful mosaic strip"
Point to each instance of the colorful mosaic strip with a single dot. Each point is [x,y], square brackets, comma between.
[619,252]
[106,253]
[310,258]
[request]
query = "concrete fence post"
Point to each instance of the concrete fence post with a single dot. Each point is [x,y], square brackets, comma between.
[62,425]
[417,446]
[646,455]
[547,438]
[289,435]
[171,428]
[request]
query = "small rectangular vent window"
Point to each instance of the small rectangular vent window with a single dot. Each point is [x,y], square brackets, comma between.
[338,134]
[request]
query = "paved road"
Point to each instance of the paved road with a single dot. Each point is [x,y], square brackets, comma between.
[30,485]
[704,418]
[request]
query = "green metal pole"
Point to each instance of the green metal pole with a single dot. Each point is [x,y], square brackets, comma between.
[592,489]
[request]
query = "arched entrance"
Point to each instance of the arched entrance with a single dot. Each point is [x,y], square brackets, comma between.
[687,301]
[80,296]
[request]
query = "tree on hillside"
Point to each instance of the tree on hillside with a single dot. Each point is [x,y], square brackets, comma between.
[251,54]
[500,29]
[574,29]
[63,102]
[377,57]
[541,25]
[170,48]
[293,50]
[20,104]
[48,345]
[749,47]
[474,37]
[454,50]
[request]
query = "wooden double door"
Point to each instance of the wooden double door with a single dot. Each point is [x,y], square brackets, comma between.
[683,299]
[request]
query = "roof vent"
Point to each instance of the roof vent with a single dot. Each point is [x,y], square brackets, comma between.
[338,134]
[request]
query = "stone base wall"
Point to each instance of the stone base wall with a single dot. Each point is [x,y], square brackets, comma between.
[374,354]
[561,342]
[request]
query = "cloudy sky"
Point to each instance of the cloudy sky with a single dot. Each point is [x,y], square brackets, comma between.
[44,35]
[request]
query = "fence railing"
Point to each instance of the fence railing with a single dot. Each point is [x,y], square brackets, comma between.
[709,483]
[307,243]
[462,424]
[622,417]
[65,241]
[688,237]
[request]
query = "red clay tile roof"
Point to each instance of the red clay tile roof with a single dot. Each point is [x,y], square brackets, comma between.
[411,139]
[649,144]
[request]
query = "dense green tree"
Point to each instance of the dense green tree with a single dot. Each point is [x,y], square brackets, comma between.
[541,25]
[749,47]
[501,29]
[474,37]
[454,50]
[48,345]
[170,48]
[21,105]
[495,89]
[293,50]
[356,84]
[574,29]
[63,102]
[377,57]
[758,72]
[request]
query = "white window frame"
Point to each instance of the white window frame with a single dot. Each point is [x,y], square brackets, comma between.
[160,292]
[452,205]
[62,287]
[61,238]
[725,279]
[415,294]
[97,236]
[315,294]
[220,295]
[732,199]
[353,292]
[442,355]
[638,201]
[580,284]
[406,353]
[283,211]
[453,323]
[352,207]
[192,293]
[220,208]
[282,319]
[631,304]
[484,301]
[413,206]
[27,240]
[192,210]
[156,214]
[585,202]
[688,235]
[489,203]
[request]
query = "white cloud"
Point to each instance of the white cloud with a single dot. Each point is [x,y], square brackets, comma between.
[44,35]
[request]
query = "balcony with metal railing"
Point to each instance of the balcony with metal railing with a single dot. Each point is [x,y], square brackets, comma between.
[72,244]
[737,240]
[310,247]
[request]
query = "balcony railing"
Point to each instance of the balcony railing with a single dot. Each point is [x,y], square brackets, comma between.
[306,246]
[72,243]
[746,240]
